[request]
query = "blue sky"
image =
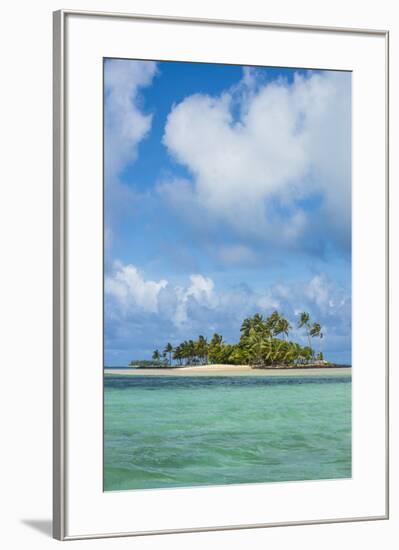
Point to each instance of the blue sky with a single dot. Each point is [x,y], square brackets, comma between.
[227,192]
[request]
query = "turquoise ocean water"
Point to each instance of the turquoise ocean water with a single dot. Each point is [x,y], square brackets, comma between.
[165,431]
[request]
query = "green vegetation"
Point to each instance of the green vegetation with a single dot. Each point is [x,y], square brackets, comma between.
[263,343]
[168,350]
[144,363]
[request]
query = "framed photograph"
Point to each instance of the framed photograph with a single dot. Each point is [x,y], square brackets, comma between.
[220,275]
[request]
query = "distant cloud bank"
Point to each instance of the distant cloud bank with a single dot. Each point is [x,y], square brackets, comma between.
[200,307]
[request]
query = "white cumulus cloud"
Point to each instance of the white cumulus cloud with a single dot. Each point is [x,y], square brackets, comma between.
[131,291]
[125,126]
[199,292]
[200,307]
[125,123]
[258,149]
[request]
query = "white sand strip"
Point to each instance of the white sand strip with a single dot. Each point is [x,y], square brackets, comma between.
[231,370]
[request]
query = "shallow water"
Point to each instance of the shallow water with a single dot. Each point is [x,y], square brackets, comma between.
[186,431]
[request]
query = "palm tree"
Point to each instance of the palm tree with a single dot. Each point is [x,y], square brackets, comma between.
[307,354]
[297,352]
[258,344]
[255,346]
[185,351]
[272,321]
[304,321]
[202,349]
[291,353]
[217,339]
[257,322]
[282,327]
[178,354]
[246,326]
[192,351]
[169,349]
[278,351]
[315,331]
[267,350]
[215,348]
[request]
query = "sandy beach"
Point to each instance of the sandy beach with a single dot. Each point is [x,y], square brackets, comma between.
[231,370]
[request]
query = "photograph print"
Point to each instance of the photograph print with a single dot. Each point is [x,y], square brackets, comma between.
[227,274]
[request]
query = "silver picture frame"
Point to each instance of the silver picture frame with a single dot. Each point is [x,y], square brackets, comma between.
[60,283]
